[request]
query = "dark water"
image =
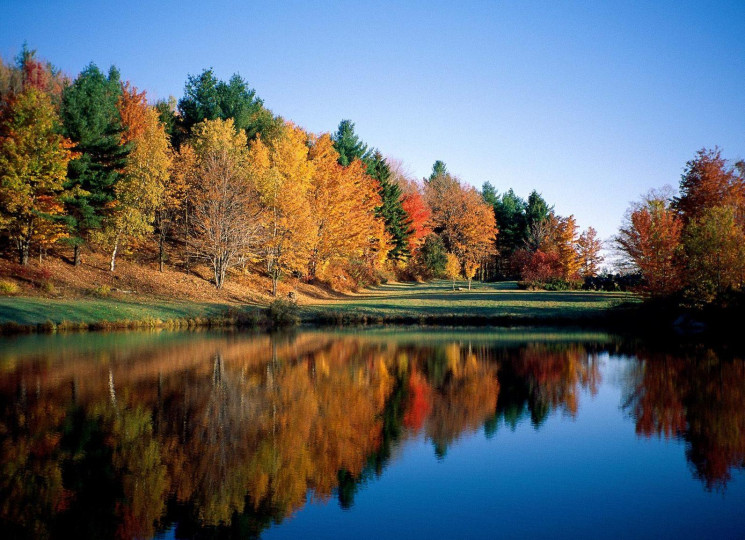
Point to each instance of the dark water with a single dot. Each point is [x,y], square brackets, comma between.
[382,434]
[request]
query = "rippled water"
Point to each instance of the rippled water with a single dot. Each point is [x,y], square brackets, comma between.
[431,434]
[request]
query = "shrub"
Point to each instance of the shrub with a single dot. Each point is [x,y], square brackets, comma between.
[553,284]
[48,287]
[102,291]
[282,313]
[612,282]
[8,287]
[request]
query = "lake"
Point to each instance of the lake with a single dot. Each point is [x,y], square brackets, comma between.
[369,434]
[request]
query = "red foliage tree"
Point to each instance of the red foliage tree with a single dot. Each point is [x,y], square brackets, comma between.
[651,241]
[708,181]
[419,213]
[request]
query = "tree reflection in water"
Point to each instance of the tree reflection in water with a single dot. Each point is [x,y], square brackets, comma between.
[225,435]
[698,398]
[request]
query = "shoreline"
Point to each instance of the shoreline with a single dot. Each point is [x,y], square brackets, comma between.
[29,315]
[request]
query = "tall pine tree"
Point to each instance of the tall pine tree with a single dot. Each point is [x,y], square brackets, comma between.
[397,221]
[208,98]
[92,122]
[349,145]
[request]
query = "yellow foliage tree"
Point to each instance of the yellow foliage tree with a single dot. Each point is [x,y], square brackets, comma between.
[33,167]
[225,221]
[466,222]
[452,268]
[282,174]
[140,190]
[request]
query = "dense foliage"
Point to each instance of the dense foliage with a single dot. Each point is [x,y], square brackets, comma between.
[691,245]
[216,178]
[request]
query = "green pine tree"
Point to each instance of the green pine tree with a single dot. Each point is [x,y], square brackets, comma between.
[91,120]
[438,169]
[349,145]
[208,98]
[397,221]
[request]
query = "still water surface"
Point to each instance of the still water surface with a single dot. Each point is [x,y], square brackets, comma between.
[430,434]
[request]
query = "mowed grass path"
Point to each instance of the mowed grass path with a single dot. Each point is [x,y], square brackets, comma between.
[492,300]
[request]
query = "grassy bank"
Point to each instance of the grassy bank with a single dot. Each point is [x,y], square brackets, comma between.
[487,303]
[498,304]
[19,314]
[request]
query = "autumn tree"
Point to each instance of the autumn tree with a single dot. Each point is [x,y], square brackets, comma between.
[141,188]
[397,224]
[343,203]
[173,197]
[452,268]
[419,214]
[589,249]
[650,241]
[413,204]
[33,167]
[283,174]
[225,217]
[715,249]
[11,81]
[465,222]
[709,181]
[566,247]
[91,120]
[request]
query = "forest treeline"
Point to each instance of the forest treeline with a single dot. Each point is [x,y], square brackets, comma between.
[216,178]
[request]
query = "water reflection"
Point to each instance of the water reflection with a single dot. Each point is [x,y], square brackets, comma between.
[128,435]
[697,397]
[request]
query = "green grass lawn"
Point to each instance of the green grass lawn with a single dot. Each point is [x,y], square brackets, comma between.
[501,302]
[33,311]
[488,300]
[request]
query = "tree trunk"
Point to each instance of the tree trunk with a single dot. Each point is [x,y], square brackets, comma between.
[219,274]
[469,283]
[112,266]
[453,283]
[274,286]
[186,235]
[161,239]
[76,255]
[23,249]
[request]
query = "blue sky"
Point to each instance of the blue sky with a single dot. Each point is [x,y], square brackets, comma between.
[591,103]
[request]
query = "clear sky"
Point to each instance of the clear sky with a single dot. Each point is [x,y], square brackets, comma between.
[591,103]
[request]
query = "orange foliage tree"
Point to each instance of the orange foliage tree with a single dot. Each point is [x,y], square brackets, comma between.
[650,241]
[588,250]
[465,222]
[343,202]
[707,182]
